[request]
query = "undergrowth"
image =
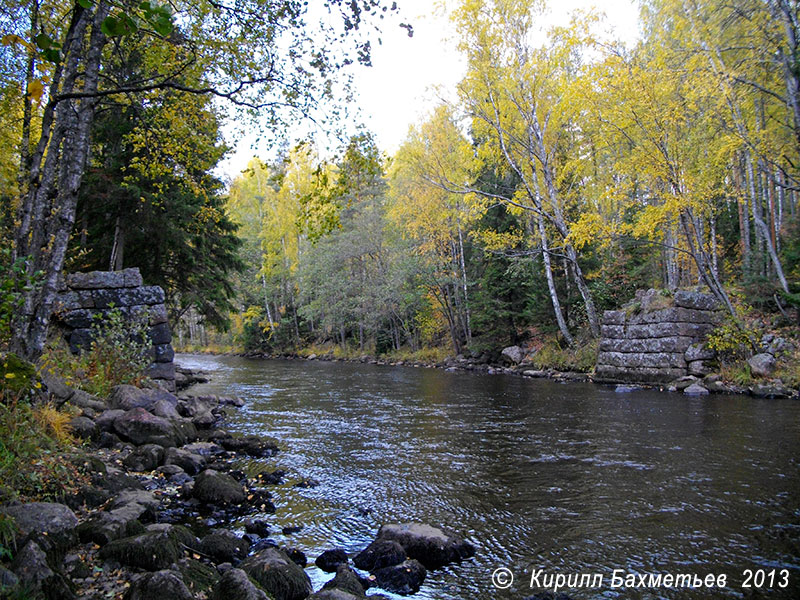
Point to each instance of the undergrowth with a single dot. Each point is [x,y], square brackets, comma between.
[119,353]
[580,358]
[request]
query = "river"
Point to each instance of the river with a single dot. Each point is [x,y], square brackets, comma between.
[566,478]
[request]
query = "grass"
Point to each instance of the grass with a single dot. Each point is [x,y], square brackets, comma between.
[737,372]
[580,358]
[211,348]
[35,443]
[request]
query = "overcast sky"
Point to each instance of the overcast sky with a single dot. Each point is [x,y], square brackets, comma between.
[409,75]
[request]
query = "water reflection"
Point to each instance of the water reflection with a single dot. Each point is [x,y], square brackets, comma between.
[537,474]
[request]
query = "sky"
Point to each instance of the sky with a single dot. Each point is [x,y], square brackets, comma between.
[410,75]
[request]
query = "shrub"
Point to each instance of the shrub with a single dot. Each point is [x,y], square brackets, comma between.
[551,355]
[119,353]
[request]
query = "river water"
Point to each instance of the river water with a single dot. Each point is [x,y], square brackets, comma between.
[538,475]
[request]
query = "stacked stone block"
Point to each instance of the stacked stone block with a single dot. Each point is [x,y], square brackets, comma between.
[657,346]
[84,296]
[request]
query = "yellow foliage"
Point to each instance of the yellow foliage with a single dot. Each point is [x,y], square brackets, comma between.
[54,423]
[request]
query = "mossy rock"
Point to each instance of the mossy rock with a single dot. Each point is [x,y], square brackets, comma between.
[151,551]
[197,576]
[274,571]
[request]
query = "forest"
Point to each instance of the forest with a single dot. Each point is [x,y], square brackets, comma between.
[571,171]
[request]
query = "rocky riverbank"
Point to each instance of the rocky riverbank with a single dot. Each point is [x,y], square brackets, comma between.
[166,513]
[690,385]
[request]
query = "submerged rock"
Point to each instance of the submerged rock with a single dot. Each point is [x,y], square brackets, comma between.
[429,545]
[380,554]
[330,560]
[695,390]
[405,578]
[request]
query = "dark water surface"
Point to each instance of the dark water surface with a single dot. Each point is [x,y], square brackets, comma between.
[569,478]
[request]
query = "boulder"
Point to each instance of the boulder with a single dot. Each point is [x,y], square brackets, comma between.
[55,521]
[37,577]
[224,546]
[84,428]
[258,527]
[165,408]
[199,577]
[296,555]
[105,421]
[83,399]
[250,445]
[278,575]
[404,579]
[191,463]
[427,544]
[58,389]
[348,581]
[126,397]
[192,406]
[771,390]
[213,487]
[151,551]
[236,585]
[695,390]
[109,525]
[761,365]
[380,554]
[684,382]
[513,354]
[161,585]
[330,560]
[205,421]
[141,427]
[144,458]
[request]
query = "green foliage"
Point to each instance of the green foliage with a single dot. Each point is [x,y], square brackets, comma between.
[119,353]
[17,376]
[13,283]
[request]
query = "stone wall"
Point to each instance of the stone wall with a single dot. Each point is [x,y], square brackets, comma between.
[657,340]
[83,296]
